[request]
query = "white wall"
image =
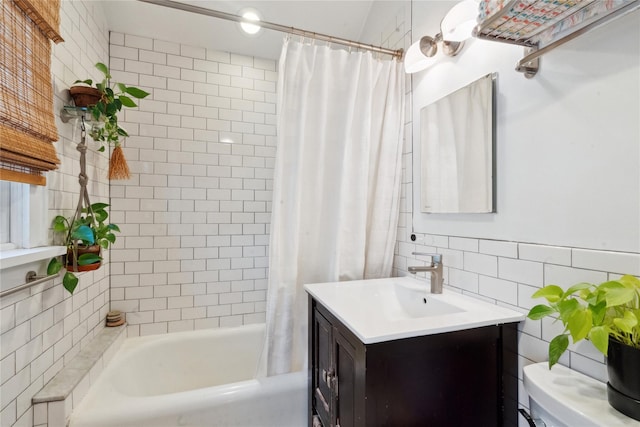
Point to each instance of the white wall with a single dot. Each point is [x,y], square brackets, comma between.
[195,215]
[44,327]
[567,140]
[573,191]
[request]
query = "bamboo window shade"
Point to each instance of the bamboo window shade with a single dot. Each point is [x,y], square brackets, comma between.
[27,126]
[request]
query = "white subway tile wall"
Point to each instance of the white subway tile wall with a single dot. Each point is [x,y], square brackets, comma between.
[44,327]
[195,216]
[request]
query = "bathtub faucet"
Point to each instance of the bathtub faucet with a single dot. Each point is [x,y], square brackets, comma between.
[435,269]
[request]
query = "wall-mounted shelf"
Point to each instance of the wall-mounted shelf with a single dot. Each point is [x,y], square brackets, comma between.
[70,112]
[542,25]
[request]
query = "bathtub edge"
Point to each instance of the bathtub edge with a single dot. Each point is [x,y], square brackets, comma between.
[53,404]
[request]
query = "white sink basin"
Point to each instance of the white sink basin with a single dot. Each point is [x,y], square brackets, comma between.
[401,307]
[411,300]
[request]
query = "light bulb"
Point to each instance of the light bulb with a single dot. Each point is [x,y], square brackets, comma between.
[460,21]
[420,55]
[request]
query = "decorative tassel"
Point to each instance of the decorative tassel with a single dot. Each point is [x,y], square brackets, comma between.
[118,168]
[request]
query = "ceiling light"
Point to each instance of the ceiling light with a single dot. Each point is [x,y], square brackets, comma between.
[251,15]
[460,21]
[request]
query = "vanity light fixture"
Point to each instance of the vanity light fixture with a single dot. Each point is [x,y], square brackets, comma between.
[422,54]
[250,15]
[455,28]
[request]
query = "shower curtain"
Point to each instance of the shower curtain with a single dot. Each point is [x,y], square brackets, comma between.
[336,184]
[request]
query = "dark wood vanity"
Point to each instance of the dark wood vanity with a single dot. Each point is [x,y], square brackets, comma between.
[461,378]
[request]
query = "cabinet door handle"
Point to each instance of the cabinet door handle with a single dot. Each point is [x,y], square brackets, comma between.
[327,376]
[331,380]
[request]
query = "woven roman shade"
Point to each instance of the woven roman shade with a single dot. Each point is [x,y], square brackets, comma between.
[45,14]
[27,126]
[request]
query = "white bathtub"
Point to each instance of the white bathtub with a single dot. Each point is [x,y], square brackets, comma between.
[199,378]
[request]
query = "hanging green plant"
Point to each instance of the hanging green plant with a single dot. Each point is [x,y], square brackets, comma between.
[85,236]
[107,131]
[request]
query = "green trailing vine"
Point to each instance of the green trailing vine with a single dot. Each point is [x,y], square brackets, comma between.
[105,112]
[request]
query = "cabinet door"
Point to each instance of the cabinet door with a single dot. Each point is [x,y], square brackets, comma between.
[322,368]
[345,384]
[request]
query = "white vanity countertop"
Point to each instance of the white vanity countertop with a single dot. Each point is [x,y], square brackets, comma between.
[379,310]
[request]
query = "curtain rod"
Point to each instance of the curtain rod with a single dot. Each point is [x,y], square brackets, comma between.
[271,26]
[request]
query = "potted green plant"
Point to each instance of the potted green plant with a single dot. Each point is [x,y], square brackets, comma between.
[85,237]
[104,105]
[606,314]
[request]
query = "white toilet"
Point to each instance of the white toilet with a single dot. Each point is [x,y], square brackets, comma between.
[562,397]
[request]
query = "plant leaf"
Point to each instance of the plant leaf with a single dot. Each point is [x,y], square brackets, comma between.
[110,237]
[104,69]
[619,296]
[551,292]
[101,215]
[540,311]
[630,281]
[580,324]
[599,337]
[54,266]
[59,223]
[98,206]
[611,284]
[566,309]
[136,93]
[626,323]
[86,259]
[127,102]
[575,288]
[111,110]
[104,244]
[83,233]
[70,281]
[557,347]
[113,227]
[87,82]
[598,312]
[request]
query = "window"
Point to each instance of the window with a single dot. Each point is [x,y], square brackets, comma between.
[24,230]
[23,215]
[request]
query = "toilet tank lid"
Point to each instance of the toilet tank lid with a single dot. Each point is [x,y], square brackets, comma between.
[573,398]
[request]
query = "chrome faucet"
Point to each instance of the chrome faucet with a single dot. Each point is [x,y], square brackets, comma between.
[435,269]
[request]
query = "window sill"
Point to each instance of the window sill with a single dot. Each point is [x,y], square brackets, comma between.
[19,257]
